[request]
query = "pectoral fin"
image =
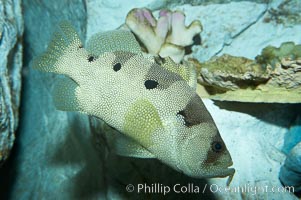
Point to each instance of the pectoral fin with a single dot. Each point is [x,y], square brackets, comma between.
[125,146]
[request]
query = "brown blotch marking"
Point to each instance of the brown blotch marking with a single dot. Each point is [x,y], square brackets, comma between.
[213,156]
[164,77]
[195,112]
[122,57]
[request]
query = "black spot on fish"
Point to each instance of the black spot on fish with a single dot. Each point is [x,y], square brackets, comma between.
[91,58]
[150,84]
[122,57]
[117,67]
[163,76]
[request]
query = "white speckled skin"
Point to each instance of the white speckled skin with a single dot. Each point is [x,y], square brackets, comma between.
[168,120]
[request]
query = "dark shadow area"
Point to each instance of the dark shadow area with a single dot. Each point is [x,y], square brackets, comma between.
[76,150]
[267,112]
[197,40]
[293,136]
[112,173]
[8,173]
[153,177]
[113,170]
[118,172]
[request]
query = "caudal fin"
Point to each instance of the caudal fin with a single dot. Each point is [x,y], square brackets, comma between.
[64,41]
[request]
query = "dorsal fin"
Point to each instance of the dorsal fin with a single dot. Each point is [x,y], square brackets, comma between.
[186,70]
[110,41]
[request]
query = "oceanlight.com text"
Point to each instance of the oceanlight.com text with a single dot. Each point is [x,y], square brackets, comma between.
[191,188]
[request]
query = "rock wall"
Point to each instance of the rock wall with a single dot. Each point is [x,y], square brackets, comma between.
[11,52]
[52,146]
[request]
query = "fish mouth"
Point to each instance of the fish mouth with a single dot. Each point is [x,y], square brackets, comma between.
[231,175]
[227,171]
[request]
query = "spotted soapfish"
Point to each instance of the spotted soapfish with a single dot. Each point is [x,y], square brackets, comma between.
[153,104]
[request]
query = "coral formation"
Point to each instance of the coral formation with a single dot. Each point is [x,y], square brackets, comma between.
[231,73]
[274,76]
[284,63]
[168,36]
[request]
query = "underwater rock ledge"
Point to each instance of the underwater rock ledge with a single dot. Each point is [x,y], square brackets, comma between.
[274,76]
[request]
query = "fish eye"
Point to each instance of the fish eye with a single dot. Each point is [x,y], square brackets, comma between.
[150,84]
[117,67]
[91,58]
[217,146]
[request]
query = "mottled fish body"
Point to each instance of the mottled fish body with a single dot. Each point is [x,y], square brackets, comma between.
[152,104]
